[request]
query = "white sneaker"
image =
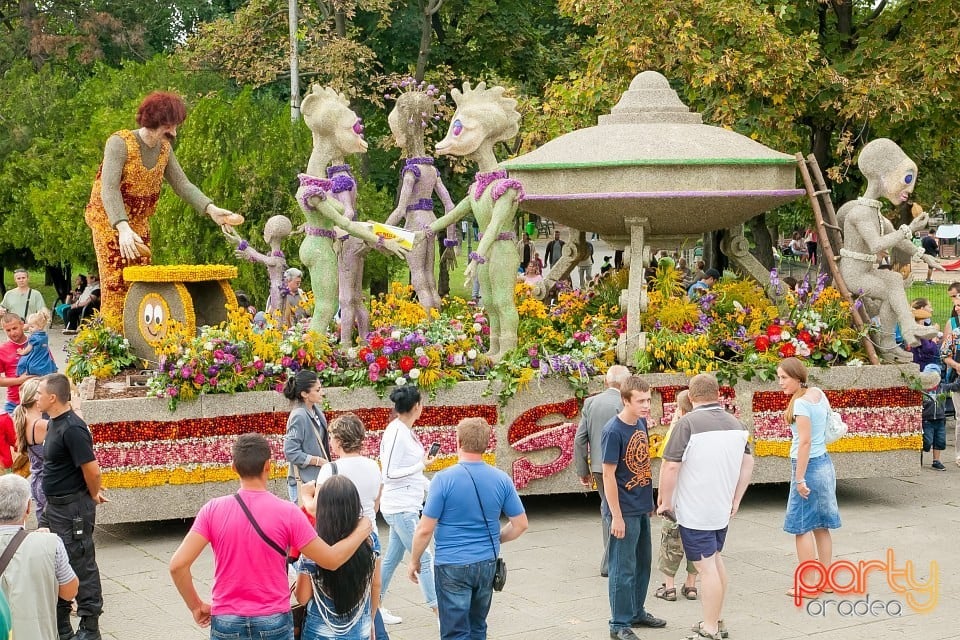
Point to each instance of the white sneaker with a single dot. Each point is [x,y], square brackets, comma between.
[389,618]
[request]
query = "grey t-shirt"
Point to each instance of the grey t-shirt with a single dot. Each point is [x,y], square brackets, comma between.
[710,443]
[23,304]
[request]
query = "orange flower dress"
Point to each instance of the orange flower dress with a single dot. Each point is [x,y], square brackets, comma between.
[140,190]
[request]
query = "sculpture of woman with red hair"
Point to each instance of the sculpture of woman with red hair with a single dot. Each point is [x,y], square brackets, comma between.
[126,191]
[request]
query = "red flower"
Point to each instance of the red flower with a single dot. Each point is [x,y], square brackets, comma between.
[406,363]
[787,350]
[762,343]
[806,337]
[774,330]
[376,342]
[382,362]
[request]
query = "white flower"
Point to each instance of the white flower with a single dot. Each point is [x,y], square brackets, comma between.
[396,335]
[458,359]
[472,354]
[208,346]
[855,362]
[784,335]
[420,351]
[352,353]
[401,380]
[286,348]
[414,374]
[802,349]
[477,327]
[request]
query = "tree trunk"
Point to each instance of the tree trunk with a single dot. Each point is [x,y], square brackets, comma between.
[443,276]
[712,256]
[340,23]
[60,276]
[28,13]
[844,11]
[426,37]
[763,243]
[820,147]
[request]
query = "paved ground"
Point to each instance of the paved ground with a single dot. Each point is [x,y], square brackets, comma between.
[554,589]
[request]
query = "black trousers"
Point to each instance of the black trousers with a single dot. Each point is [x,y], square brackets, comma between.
[81,552]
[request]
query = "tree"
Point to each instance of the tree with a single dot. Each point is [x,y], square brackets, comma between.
[812,76]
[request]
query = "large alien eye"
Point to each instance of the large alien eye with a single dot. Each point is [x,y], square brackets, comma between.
[457,128]
[148,314]
[358,127]
[158,315]
[907,179]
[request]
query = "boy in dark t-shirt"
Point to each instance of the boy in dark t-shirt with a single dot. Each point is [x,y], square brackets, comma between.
[629,489]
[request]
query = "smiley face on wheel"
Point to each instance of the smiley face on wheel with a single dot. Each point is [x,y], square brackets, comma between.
[153,313]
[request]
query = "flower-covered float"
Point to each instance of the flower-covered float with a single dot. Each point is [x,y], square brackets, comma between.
[163,455]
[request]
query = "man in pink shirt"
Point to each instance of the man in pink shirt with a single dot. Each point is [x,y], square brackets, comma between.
[13,326]
[251,533]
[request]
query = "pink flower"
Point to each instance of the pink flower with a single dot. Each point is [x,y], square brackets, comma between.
[199,379]
[258,365]
[301,354]
[423,361]
[286,361]
[172,391]
[251,383]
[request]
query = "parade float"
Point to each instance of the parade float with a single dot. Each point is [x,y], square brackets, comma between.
[165,453]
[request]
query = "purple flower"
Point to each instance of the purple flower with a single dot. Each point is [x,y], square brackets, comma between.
[370,357]
[775,281]
[387,351]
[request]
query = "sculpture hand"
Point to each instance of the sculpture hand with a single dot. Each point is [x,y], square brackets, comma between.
[449,256]
[128,240]
[468,273]
[394,247]
[223,216]
[920,223]
[232,236]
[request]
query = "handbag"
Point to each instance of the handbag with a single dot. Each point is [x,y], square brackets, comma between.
[836,428]
[500,572]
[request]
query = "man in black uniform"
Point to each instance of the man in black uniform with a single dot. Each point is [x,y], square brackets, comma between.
[71,480]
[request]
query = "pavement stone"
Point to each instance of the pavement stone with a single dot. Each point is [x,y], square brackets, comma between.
[554,589]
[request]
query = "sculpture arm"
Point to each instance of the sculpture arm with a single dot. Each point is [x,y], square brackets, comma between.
[464,207]
[866,227]
[114,157]
[406,190]
[333,211]
[443,194]
[182,186]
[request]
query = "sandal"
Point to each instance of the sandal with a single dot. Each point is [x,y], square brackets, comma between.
[698,632]
[690,593]
[666,594]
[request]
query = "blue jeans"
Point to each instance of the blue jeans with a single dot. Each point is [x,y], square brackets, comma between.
[630,559]
[278,626]
[292,492]
[465,592]
[402,526]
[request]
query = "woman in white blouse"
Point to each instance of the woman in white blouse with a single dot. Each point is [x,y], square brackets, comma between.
[402,461]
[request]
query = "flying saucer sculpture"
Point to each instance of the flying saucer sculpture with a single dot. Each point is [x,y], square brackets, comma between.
[652,170]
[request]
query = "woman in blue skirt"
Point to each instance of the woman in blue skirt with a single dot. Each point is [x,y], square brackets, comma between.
[812,506]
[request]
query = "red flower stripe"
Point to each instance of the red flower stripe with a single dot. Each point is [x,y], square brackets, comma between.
[377,418]
[559,437]
[669,394]
[149,430]
[849,398]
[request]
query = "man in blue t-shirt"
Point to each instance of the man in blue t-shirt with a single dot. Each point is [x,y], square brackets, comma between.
[628,486]
[463,508]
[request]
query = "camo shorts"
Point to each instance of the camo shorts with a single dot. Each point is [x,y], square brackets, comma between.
[671,550]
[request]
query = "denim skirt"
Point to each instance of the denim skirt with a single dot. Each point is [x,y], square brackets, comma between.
[818,510]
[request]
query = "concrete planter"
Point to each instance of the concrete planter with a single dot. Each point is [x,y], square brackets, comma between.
[159,464]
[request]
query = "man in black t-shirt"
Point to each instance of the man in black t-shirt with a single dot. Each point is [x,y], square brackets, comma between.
[71,481]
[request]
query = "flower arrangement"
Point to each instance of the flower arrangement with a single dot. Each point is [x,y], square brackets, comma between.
[735,330]
[98,350]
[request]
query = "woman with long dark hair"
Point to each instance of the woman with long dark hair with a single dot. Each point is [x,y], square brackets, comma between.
[402,461]
[339,601]
[306,444]
[812,505]
[950,352]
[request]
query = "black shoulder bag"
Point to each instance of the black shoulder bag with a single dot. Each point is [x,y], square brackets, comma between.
[500,574]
